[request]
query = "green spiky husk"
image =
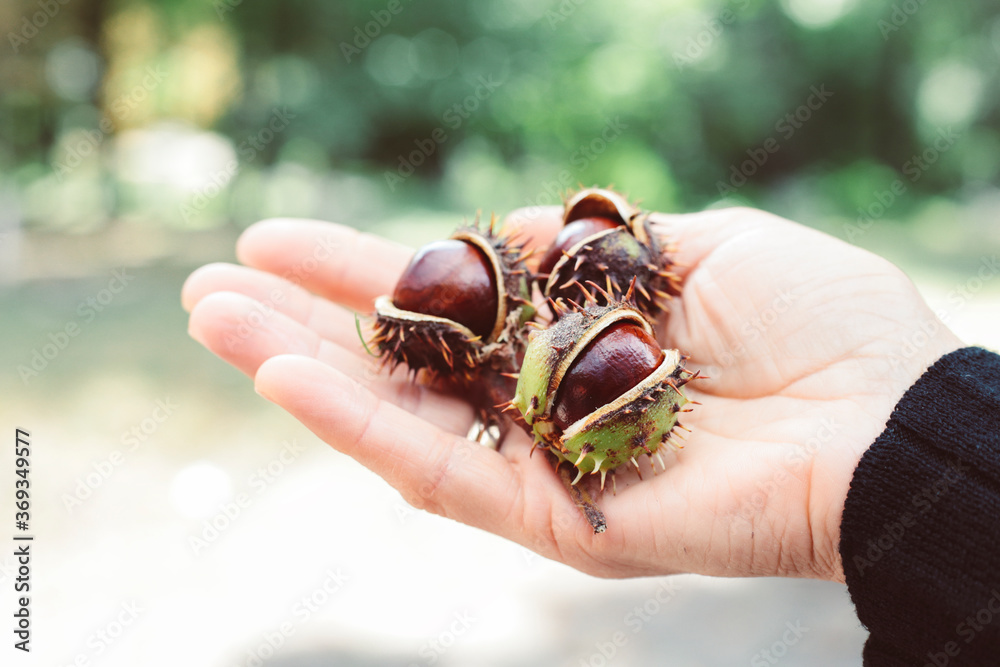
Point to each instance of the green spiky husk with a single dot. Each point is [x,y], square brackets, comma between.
[638,422]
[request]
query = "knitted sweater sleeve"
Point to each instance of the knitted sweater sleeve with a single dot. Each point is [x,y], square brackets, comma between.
[920,533]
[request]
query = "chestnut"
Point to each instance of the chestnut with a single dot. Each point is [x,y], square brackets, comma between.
[596,389]
[451,279]
[619,358]
[460,305]
[569,236]
[610,253]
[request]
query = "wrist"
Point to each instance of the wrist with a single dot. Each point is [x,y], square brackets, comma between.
[919,524]
[875,408]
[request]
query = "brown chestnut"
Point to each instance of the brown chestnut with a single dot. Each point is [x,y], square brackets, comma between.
[596,390]
[459,307]
[451,279]
[619,358]
[569,236]
[610,257]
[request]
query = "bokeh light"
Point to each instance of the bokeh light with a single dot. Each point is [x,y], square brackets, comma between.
[817,13]
[950,94]
[200,489]
[72,70]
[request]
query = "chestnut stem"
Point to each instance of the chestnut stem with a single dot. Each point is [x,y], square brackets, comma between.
[498,389]
[584,501]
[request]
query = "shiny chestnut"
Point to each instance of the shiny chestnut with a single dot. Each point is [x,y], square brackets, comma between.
[619,358]
[596,389]
[569,236]
[459,306]
[451,279]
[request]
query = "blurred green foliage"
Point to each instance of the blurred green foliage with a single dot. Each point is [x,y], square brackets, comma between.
[200,113]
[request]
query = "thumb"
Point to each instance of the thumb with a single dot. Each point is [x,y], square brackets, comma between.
[691,237]
[536,226]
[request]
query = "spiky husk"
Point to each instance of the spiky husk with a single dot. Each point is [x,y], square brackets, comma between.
[421,341]
[636,423]
[507,258]
[613,257]
[446,348]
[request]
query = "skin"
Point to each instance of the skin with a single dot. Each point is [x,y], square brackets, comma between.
[803,337]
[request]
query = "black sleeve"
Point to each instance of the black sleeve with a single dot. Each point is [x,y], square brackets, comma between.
[920,533]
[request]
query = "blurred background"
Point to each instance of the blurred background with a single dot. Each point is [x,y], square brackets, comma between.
[182,520]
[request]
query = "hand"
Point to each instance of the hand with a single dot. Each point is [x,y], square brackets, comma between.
[809,343]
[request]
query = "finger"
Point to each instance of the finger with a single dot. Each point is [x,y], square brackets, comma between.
[226,324]
[433,470]
[327,319]
[243,333]
[258,285]
[535,226]
[333,261]
[694,236]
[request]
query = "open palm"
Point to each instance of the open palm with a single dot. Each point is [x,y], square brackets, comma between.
[809,342]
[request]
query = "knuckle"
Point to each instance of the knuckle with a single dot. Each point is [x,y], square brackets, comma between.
[430,492]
